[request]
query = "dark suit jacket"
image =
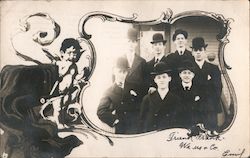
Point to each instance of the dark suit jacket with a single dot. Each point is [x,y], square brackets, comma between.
[157,114]
[191,104]
[208,80]
[150,68]
[116,98]
[136,79]
[174,60]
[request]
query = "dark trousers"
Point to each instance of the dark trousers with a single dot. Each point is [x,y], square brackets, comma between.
[208,118]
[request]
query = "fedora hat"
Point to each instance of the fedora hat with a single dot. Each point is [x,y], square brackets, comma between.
[132,34]
[122,63]
[198,43]
[186,65]
[158,37]
[161,68]
[179,31]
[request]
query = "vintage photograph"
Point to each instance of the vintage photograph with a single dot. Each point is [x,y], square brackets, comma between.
[89,79]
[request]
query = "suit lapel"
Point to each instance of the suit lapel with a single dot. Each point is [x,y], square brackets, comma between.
[116,94]
[156,100]
[135,64]
[206,66]
[151,64]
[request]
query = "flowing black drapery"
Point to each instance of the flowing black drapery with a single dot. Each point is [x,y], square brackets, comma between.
[26,134]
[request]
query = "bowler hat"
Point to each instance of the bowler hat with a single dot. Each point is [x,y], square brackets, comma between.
[186,65]
[158,37]
[122,63]
[161,68]
[179,31]
[198,43]
[133,34]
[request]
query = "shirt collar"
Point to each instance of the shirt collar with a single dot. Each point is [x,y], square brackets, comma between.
[189,85]
[163,93]
[159,57]
[179,50]
[200,63]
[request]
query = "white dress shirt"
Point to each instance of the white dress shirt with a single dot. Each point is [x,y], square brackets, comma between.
[181,50]
[188,85]
[163,93]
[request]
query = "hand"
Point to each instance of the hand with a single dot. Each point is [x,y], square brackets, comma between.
[151,90]
[116,122]
[132,92]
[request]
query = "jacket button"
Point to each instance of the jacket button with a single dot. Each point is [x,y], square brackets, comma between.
[125,113]
[167,115]
[122,102]
[154,125]
[156,114]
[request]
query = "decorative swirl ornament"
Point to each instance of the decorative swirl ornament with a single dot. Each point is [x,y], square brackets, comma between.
[46,33]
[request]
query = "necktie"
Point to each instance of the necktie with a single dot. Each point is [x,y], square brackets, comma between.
[186,88]
[181,53]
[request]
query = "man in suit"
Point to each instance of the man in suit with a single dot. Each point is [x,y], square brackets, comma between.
[174,59]
[208,79]
[158,45]
[135,81]
[161,108]
[116,107]
[190,98]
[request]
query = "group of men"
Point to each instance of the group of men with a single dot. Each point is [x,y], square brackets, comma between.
[180,89]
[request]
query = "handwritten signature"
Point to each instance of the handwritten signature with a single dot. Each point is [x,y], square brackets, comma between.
[174,136]
[229,153]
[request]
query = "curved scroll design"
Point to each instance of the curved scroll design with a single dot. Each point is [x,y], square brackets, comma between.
[42,37]
[164,18]
[168,18]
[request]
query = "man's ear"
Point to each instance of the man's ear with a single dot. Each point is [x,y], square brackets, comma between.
[170,78]
[179,74]
[193,74]
[192,52]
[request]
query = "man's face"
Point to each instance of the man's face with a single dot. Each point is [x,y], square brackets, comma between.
[199,54]
[132,44]
[186,76]
[120,75]
[70,54]
[180,41]
[162,80]
[158,48]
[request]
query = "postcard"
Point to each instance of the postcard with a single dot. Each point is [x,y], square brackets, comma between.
[124,79]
